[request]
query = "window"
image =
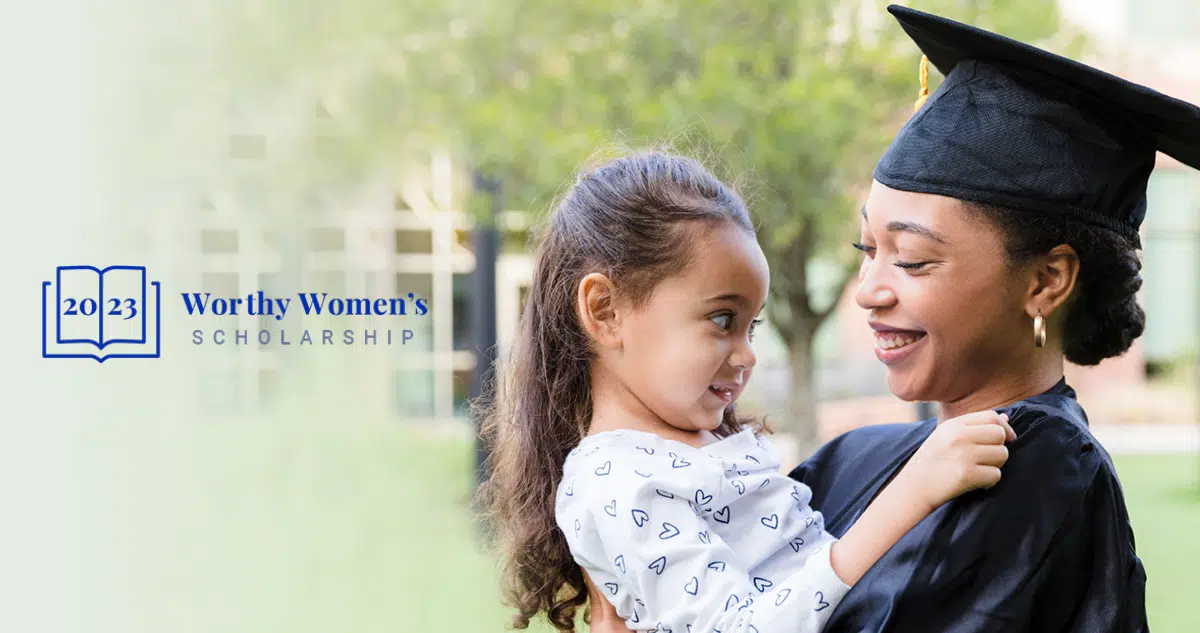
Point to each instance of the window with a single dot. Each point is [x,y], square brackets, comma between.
[218,241]
[326,240]
[461,307]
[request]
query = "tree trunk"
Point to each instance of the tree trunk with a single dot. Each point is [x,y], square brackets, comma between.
[802,404]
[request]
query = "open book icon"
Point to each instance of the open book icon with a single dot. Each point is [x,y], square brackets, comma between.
[100,314]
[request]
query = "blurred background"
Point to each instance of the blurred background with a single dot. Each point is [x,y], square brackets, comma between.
[376,148]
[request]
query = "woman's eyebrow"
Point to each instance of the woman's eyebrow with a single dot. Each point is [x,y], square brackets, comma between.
[916,229]
[911,227]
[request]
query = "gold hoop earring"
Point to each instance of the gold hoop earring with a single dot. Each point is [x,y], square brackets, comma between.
[1039,330]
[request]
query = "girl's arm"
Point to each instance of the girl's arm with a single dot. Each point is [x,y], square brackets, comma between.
[603,616]
[962,454]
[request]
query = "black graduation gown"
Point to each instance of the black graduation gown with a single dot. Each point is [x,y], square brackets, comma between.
[1049,548]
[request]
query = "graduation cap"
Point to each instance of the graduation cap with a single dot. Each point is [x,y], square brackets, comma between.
[1016,126]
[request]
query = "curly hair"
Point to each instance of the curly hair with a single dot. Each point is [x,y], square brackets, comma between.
[1103,318]
[634,219]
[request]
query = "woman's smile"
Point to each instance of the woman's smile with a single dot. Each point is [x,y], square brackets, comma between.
[893,344]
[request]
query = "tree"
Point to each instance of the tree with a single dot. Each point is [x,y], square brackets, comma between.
[801,96]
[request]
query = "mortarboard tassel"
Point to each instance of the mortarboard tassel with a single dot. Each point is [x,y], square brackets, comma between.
[923,94]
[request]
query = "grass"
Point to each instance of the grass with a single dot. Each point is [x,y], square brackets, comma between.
[303,531]
[1163,497]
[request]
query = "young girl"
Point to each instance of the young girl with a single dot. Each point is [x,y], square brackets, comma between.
[616,446]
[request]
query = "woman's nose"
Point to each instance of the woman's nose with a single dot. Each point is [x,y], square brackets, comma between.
[872,292]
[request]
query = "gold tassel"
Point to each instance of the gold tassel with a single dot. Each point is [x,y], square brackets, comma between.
[923,94]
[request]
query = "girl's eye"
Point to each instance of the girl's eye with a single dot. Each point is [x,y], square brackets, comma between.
[723,321]
[753,325]
[868,250]
[911,265]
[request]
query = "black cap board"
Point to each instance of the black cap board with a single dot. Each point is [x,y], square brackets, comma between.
[1017,126]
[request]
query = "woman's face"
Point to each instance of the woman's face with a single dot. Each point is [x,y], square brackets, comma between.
[947,310]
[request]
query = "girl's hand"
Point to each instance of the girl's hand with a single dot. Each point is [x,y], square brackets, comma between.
[603,615]
[962,454]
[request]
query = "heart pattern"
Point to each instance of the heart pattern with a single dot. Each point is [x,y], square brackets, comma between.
[662,628]
[611,509]
[808,522]
[577,527]
[668,531]
[753,459]
[642,474]
[796,544]
[704,538]
[717,565]
[796,494]
[722,515]
[741,487]
[648,451]
[762,584]
[604,470]
[730,601]
[764,484]
[619,561]
[771,521]
[679,462]
[659,566]
[783,595]
[702,499]
[821,604]
[664,493]
[693,586]
[639,516]
[571,490]
[612,587]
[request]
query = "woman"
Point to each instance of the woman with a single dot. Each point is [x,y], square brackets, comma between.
[1000,238]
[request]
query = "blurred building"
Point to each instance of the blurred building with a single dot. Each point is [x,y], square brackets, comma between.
[409,234]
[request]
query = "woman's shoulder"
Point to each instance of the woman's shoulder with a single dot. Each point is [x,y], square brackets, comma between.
[1055,447]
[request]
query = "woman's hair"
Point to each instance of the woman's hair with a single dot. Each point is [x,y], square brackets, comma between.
[636,220]
[1103,317]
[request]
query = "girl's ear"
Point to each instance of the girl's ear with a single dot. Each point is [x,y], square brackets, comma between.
[597,307]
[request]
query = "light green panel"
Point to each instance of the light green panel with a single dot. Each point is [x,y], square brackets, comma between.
[1171,258]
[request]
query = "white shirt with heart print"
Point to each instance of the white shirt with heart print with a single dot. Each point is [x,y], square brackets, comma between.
[697,540]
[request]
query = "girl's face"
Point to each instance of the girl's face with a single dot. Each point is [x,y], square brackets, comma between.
[947,310]
[685,354]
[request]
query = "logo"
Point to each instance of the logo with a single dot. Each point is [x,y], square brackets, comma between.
[100,313]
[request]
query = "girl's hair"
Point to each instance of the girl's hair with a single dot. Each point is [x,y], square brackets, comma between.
[1103,318]
[635,220]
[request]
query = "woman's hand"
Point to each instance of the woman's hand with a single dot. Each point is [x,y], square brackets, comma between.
[604,616]
[962,454]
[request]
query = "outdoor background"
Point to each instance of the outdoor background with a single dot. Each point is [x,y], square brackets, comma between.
[373,148]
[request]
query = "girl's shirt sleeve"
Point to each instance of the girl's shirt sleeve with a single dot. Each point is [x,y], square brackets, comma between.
[635,523]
